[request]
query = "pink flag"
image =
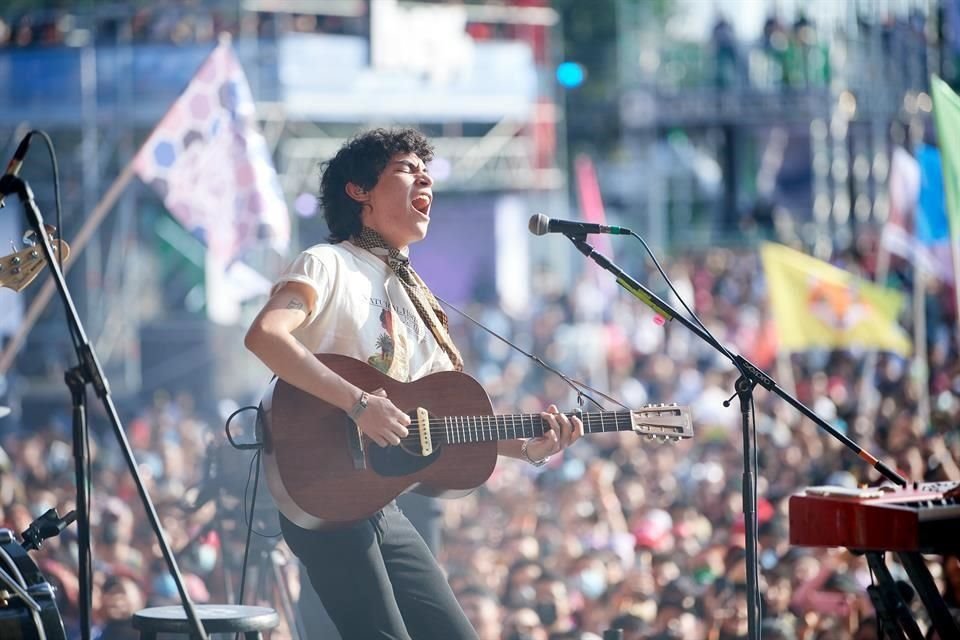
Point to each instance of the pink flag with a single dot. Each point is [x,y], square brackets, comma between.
[592,210]
[591,202]
[212,167]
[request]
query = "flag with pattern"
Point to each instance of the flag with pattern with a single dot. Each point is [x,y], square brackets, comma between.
[212,168]
[817,305]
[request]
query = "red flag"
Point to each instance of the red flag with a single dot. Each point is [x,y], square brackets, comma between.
[591,201]
[591,209]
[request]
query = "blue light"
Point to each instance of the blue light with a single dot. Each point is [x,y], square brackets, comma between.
[570,74]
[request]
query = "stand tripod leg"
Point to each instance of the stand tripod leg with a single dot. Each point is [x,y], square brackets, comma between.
[77,384]
[291,613]
[893,615]
[215,525]
[269,569]
[922,581]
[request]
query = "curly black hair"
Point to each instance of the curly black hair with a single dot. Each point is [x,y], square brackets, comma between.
[361,160]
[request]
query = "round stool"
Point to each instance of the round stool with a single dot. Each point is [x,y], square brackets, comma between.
[216,618]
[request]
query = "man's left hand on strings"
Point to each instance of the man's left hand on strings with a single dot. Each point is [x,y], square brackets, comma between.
[563,432]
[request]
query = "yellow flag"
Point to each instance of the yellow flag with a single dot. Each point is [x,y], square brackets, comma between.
[815,304]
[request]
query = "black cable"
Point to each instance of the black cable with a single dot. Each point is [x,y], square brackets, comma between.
[256,444]
[576,385]
[249,518]
[258,447]
[693,315]
[754,461]
[253,471]
[58,203]
[246,547]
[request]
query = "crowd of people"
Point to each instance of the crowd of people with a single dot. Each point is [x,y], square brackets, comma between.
[618,532]
[800,54]
[188,21]
[176,23]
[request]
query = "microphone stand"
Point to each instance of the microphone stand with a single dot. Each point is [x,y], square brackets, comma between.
[89,371]
[750,377]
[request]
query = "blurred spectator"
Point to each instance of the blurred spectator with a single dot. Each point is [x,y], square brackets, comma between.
[726,55]
[523,624]
[483,611]
[633,627]
[121,598]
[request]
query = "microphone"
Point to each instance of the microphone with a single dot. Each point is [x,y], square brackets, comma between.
[13,168]
[540,225]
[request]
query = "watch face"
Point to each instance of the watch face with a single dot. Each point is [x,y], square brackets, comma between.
[359,406]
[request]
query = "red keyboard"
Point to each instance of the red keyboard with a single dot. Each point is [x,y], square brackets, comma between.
[921,517]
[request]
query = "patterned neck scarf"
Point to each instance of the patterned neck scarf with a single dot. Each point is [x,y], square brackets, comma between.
[427,306]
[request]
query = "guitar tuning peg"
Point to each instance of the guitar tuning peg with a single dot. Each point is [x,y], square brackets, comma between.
[30,236]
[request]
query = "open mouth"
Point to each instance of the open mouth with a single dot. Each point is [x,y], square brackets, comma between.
[422,204]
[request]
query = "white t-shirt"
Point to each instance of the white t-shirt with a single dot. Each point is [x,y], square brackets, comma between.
[363,311]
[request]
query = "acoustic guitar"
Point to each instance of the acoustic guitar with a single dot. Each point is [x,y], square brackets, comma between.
[324,472]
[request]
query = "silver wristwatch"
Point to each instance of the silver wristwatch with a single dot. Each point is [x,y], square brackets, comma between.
[359,407]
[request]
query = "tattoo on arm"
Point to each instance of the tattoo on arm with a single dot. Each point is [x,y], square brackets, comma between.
[296,304]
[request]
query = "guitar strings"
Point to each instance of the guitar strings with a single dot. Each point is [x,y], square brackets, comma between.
[441,427]
[466,427]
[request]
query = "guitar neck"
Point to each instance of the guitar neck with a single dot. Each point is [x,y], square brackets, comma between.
[464,429]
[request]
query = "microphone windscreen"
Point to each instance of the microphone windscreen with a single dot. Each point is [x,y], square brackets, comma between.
[539,224]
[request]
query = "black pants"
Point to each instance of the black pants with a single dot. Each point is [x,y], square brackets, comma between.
[378,580]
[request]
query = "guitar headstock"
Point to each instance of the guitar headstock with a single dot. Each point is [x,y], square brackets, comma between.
[17,270]
[666,422]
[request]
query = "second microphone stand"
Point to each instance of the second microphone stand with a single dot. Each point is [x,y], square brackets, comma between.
[750,377]
[89,371]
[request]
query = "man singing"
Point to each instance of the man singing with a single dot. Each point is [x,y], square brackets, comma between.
[358,296]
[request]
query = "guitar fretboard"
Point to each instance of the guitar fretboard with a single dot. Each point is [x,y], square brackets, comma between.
[465,429]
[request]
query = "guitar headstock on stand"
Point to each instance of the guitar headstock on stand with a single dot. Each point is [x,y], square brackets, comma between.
[18,269]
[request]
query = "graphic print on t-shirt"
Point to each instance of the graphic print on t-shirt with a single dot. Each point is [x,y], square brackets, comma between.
[392,355]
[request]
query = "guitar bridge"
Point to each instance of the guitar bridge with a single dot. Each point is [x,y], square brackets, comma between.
[423,425]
